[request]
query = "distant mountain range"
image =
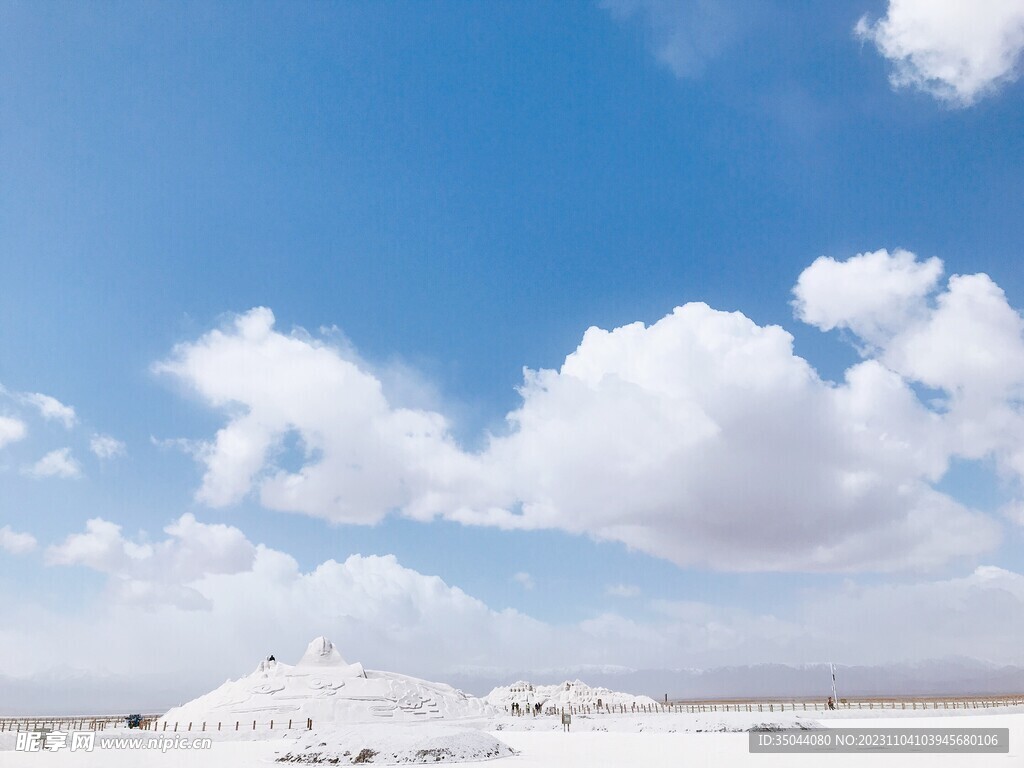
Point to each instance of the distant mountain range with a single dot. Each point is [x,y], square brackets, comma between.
[935,677]
[69,691]
[76,692]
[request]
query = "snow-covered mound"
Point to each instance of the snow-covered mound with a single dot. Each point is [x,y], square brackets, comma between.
[376,744]
[325,688]
[577,695]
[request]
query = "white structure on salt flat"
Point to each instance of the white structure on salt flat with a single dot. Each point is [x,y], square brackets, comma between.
[323,687]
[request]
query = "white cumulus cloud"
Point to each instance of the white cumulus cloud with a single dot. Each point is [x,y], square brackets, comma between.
[957,51]
[962,339]
[56,463]
[872,294]
[363,457]
[152,573]
[702,439]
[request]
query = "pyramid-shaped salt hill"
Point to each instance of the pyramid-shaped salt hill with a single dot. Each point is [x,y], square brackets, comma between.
[325,688]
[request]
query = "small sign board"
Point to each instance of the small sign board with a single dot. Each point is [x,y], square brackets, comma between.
[566,718]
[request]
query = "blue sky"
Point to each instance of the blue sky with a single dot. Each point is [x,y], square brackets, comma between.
[448,193]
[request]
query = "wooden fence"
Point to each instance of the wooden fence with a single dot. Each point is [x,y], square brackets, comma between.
[67,723]
[149,723]
[155,723]
[787,705]
[243,725]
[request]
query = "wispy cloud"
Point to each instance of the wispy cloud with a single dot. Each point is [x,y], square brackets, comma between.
[524,579]
[52,409]
[622,590]
[11,430]
[57,463]
[1014,512]
[684,36]
[16,542]
[106,447]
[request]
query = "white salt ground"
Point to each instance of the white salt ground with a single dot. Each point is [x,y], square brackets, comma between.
[648,742]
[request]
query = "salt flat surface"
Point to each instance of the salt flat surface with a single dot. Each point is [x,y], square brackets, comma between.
[650,741]
[390,745]
[659,722]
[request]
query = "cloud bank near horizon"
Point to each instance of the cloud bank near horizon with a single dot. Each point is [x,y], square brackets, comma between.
[257,600]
